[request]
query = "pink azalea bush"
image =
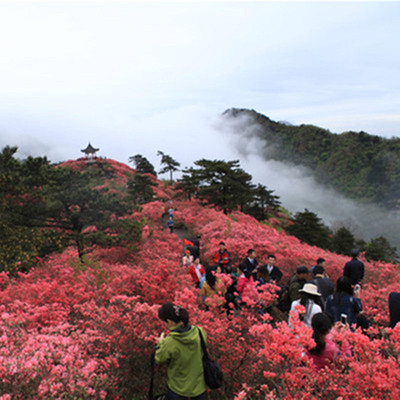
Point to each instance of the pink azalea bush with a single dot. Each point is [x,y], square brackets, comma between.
[71,330]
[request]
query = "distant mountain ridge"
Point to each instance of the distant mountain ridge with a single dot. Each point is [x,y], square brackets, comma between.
[357,164]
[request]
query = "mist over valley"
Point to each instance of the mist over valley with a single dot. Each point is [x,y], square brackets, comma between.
[298,188]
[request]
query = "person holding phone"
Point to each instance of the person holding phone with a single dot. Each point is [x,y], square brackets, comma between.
[345,301]
[326,351]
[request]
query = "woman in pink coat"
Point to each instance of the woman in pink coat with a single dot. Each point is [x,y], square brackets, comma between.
[245,279]
[326,351]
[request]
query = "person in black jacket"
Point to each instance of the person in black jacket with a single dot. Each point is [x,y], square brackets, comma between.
[394,308]
[320,263]
[250,262]
[354,269]
[196,245]
[275,273]
[324,284]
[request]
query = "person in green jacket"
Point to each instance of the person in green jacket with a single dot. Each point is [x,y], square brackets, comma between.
[181,351]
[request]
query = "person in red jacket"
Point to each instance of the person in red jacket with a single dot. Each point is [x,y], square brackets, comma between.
[223,259]
[196,271]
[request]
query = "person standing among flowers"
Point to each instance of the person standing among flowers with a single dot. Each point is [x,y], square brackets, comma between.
[187,259]
[212,285]
[394,309]
[310,299]
[196,245]
[326,351]
[345,301]
[298,280]
[321,262]
[245,279]
[182,352]
[251,263]
[274,272]
[171,224]
[196,271]
[324,284]
[223,259]
[354,269]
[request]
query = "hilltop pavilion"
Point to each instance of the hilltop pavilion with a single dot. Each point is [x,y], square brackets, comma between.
[90,152]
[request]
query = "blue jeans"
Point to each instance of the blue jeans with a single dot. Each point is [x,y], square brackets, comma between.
[174,396]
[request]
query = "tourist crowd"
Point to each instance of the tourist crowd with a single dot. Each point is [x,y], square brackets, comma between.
[309,295]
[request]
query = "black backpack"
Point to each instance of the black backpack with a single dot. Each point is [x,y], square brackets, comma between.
[213,374]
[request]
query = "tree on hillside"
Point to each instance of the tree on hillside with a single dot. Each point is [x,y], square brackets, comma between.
[222,183]
[309,228]
[169,164]
[20,198]
[19,178]
[360,244]
[87,215]
[188,183]
[142,165]
[379,249]
[263,201]
[10,170]
[40,198]
[343,241]
[140,188]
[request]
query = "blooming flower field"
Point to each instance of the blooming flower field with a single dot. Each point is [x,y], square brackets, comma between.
[86,331]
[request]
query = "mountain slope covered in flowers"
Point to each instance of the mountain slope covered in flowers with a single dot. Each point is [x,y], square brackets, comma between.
[86,330]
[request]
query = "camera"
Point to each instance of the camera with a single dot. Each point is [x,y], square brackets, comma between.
[343,319]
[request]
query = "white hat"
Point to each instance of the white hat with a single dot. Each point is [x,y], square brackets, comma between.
[310,288]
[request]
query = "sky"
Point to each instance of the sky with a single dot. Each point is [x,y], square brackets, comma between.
[137,77]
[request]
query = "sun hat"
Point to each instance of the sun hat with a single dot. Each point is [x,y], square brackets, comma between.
[310,288]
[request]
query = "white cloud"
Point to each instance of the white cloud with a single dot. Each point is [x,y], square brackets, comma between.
[137,77]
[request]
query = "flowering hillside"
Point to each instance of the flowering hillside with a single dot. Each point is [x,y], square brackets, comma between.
[75,330]
[241,232]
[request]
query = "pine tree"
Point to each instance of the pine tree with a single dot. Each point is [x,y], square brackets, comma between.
[263,201]
[222,183]
[343,241]
[170,165]
[309,228]
[188,183]
[380,249]
[40,199]
[143,165]
[140,188]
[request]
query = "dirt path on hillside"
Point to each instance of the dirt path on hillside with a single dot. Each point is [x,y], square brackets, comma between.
[182,233]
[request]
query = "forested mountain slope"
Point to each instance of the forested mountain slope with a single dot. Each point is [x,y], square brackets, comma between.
[357,164]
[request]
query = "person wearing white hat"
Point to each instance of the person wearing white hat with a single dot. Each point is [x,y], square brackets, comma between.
[310,298]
